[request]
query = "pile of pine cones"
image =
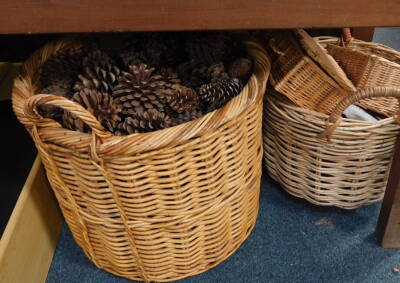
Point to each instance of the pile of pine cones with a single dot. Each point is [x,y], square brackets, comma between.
[146,82]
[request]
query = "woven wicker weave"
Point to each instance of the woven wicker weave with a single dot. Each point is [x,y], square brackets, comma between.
[369,64]
[297,76]
[158,206]
[348,171]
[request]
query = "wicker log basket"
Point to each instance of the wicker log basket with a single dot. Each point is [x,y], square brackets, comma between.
[329,160]
[158,206]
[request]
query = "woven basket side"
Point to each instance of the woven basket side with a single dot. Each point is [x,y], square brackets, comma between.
[288,56]
[309,87]
[199,209]
[349,172]
[355,64]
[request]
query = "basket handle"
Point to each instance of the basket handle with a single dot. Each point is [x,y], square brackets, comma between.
[255,49]
[30,110]
[347,38]
[335,117]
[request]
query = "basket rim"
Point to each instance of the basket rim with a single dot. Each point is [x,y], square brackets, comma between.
[325,40]
[274,96]
[26,84]
[374,57]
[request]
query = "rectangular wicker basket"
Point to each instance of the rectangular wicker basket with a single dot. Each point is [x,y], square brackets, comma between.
[297,76]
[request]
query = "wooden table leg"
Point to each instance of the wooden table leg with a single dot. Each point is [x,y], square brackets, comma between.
[389,219]
[365,34]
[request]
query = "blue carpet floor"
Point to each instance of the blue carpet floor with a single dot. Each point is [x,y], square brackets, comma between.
[293,241]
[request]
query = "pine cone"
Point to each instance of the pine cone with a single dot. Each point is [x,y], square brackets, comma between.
[217,72]
[215,95]
[62,66]
[178,97]
[207,48]
[140,90]
[99,73]
[132,57]
[143,122]
[194,75]
[241,68]
[187,116]
[101,105]
[60,88]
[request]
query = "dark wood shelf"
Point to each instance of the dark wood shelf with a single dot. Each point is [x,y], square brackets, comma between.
[32,16]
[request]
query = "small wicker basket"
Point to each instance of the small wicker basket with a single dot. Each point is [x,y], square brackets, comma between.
[348,170]
[300,78]
[368,64]
[158,206]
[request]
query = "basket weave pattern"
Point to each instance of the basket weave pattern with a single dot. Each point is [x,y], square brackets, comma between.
[301,79]
[370,64]
[158,206]
[349,171]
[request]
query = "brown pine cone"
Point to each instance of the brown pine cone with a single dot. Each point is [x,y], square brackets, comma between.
[99,72]
[215,95]
[186,116]
[135,91]
[179,98]
[194,75]
[140,90]
[143,122]
[217,72]
[102,107]
[60,88]
[132,57]
[241,68]
[62,66]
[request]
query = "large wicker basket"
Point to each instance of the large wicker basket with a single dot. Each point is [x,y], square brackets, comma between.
[158,206]
[329,160]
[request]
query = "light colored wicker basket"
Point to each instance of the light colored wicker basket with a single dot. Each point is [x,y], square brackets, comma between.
[369,64]
[297,76]
[348,170]
[158,206]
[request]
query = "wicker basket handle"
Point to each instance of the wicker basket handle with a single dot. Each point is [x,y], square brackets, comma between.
[30,110]
[263,67]
[335,117]
[347,38]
